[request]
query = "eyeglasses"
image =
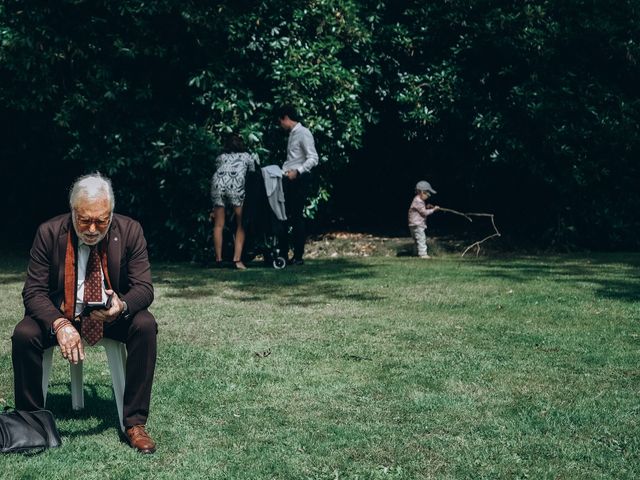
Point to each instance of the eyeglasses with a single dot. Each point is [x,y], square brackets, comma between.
[98,222]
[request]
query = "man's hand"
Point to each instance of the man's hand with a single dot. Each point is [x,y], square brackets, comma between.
[69,340]
[291,174]
[109,315]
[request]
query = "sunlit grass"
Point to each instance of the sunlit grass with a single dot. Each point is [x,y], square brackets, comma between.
[371,368]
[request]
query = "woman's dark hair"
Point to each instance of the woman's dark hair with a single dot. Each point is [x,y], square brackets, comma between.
[234,144]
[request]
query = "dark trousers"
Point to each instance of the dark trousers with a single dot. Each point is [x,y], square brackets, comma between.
[295,197]
[29,341]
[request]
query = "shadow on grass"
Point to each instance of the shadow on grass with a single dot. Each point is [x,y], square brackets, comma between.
[314,283]
[614,276]
[7,279]
[13,269]
[95,407]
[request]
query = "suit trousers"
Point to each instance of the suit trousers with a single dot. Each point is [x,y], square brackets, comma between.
[138,333]
[295,197]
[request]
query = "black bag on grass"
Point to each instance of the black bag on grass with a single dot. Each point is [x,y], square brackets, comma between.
[27,432]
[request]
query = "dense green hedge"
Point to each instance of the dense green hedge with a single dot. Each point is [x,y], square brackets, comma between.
[537,90]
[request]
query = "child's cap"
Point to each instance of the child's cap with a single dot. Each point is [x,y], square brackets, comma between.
[424,186]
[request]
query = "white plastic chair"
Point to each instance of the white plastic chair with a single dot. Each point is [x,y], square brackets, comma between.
[117,359]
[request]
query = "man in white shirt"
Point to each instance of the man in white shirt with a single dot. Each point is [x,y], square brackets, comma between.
[301,158]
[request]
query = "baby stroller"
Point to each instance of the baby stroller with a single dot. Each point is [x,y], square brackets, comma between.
[262,224]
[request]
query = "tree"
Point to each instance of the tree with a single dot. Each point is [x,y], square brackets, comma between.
[526,108]
[144,91]
[538,94]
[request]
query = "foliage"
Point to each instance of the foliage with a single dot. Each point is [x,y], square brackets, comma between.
[538,91]
[145,92]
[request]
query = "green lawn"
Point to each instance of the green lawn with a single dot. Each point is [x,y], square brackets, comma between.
[379,368]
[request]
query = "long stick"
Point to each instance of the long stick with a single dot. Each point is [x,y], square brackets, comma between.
[477,244]
[468,217]
[442,209]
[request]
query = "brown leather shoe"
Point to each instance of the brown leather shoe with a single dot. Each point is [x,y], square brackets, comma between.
[139,439]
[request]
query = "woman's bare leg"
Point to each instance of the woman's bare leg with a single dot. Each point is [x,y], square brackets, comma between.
[218,226]
[239,243]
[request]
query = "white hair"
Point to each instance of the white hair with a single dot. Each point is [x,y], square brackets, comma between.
[91,187]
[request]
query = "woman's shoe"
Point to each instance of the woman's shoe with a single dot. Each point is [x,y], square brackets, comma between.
[219,264]
[239,265]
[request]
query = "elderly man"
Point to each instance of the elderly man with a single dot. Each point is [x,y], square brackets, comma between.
[89,276]
[301,158]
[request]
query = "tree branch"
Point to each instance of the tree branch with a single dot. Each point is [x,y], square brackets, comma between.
[442,209]
[468,217]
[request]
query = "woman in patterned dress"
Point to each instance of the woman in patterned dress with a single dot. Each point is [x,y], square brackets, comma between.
[227,190]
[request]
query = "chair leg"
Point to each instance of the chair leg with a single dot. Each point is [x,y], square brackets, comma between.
[47,360]
[117,358]
[77,387]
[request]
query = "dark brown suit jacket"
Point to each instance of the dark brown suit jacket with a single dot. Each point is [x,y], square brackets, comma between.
[127,262]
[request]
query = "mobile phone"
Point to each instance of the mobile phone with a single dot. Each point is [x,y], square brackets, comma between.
[91,306]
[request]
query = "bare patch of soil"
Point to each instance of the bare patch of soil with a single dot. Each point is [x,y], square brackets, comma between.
[348,244]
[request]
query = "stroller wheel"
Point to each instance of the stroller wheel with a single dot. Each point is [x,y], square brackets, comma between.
[279,263]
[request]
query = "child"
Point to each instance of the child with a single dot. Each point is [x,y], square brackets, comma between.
[418,213]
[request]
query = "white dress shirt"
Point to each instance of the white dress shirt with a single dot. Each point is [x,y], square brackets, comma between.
[301,150]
